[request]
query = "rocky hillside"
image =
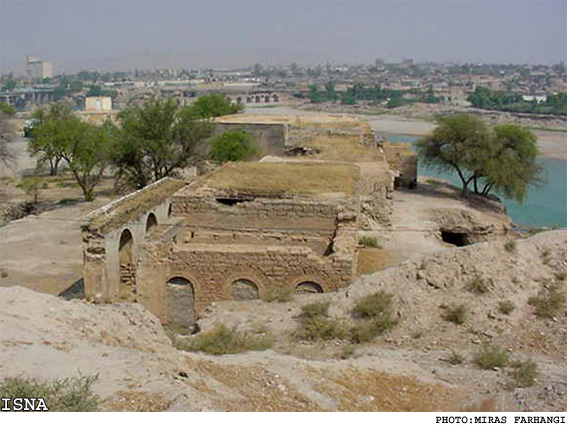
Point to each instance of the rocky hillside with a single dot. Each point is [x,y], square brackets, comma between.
[408,368]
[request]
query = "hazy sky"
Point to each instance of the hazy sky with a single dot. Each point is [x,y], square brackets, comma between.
[121,34]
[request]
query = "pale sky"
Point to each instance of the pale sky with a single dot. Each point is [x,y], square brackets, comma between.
[85,34]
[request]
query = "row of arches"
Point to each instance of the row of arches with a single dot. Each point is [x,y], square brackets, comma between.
[259,98]
[127,264]
[180,296]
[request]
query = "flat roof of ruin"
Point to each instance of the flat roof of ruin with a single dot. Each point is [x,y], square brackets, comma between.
[307,120]
[278,179]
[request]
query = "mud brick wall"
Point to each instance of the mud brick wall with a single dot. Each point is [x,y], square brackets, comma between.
[212,270]
[269,137]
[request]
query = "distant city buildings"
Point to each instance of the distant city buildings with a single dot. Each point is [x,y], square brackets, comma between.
[98,104]
[38,69]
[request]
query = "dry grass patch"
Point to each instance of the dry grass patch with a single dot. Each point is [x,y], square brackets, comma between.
[525,373]
[370,260]
[375,391]
[490,357]
[343,148]
[255,390]
[224,340]
[549,302]
[315,324]
[278,295]
[285,178]
[138,401]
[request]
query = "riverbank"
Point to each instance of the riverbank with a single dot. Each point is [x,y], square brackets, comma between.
[552,144]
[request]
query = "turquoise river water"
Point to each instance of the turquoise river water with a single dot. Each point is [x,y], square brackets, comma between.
[544,206]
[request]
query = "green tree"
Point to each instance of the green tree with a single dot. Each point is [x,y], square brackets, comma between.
[233,146]
[214,105]
[502,158]
[86,151]
[154,140]
[47,137]
[513,168]
[6,135]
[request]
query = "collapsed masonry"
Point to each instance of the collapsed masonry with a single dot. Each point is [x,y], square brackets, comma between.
[244,230]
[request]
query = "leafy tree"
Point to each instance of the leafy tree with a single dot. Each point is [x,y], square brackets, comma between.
[6,135]
[513,169]
[214,105]
[500,158]
[86,151]
[156,139]
[233,146]
[47,137]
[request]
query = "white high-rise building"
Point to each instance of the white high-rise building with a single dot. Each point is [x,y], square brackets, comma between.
[37,69]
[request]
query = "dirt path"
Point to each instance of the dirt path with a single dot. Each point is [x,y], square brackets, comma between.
[44,252]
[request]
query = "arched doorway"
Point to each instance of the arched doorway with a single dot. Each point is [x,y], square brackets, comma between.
[308,287]
[266,98]
[244,289]
[180,301]
[127,287]
[151,222]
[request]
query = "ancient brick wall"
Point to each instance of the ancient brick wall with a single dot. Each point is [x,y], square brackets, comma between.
[269,137]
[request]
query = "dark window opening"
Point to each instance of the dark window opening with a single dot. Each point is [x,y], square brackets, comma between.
[232,201]
[455,238]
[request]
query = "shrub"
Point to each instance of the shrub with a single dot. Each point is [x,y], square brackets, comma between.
[369,241]
[316,324]
[510,246]
[456,314]
[506,307]
[233,146]
[62,395]
[561,276]
[223,340]
[373,305]
[477,285]
[525,373]
[548,305]
[366,330]
[278,295]
[491,356]
[546,256]
[456,359]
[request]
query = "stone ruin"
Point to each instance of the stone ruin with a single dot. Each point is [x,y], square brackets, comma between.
[241,231]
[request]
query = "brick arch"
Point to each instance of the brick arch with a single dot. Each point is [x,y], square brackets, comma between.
[180,301]
[151,221]
[311,279]
[126,266]
[245,276]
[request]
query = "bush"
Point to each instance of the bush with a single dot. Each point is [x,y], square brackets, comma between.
[510,246]
[456,314]
[491,356]
[369,241]
[373,305]
[548,305]
[233,146]
[278,295]
[366,330]
[525,373]
[506,307]
[477,285]
[223,340]
[63,395]
[456,359]
[561,276]
[316,324]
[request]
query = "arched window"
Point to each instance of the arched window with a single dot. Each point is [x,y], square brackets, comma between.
[244,289]
[308,287]
[180,301]
[127,287]
[151,222]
